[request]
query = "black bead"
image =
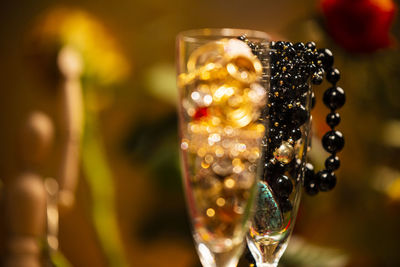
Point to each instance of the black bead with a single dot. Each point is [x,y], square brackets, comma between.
[288,44]
[252,45]
[297,79]
[279,45]
[303,88]
[289,67]
[283,62]
[295,134]
[332,163]
[333,119]
[290,52]
[275,89]
[333,141]
[311,187]
[334,98]
[299,46]
[275,79]
[317,79]
[319,58]
[299,115]
[242,38]
[279,168]
[282,186]
[275,140]
[309,172]
[311,45]
[312,68]
[333,75]
[287,78]
[272,169]
[309,176]
[274,56]
[285,205]
[327,59]
[309,56]
[268,170]
[326,180]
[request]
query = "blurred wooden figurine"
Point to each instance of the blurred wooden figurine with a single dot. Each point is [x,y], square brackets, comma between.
[28,197]
[25,195]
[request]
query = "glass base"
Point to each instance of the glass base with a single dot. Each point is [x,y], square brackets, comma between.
[267,253]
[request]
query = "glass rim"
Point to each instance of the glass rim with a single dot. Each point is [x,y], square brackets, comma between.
[195,35]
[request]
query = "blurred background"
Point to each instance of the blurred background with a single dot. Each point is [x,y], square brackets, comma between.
[129,206]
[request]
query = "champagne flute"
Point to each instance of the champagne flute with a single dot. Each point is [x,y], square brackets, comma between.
[221,96]
[280,187]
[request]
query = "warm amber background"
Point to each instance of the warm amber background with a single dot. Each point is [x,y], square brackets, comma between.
[360,218]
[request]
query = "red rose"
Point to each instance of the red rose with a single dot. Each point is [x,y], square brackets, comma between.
[359,25]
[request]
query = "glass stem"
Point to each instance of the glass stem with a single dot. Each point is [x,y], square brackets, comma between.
[267,254]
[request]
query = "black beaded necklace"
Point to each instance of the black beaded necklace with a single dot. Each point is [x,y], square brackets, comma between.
[292,66]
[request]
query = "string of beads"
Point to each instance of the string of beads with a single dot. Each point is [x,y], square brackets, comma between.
[291,68]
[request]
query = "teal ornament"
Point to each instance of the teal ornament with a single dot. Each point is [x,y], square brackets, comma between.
[268,217]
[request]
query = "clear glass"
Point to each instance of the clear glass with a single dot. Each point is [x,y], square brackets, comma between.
[273,222]
[220,101]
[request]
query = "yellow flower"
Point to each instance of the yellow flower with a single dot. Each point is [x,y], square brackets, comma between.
[104,63]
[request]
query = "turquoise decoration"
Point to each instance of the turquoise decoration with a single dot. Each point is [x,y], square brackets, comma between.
[268,217]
